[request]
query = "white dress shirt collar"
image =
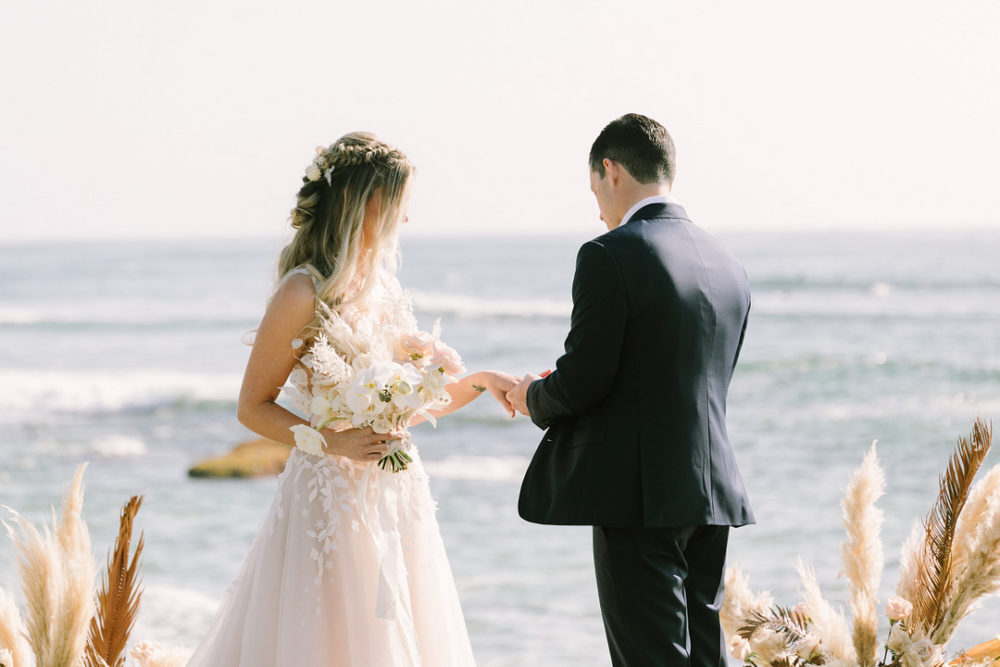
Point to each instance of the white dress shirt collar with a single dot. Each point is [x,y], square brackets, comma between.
[655,199]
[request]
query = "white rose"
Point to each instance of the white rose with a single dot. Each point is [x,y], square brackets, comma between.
[6,659]
[927,651]
[739,648]
[313,173]
[898,609]
[382,425]
[309,439]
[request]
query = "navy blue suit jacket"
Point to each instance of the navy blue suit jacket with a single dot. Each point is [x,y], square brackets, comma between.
[635,409]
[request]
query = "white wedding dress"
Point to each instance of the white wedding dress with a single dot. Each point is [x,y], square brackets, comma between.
[349,568]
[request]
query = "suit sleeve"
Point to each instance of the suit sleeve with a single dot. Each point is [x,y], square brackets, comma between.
[585,373]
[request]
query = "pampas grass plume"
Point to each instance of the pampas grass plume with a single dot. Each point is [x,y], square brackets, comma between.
[12,632]
[862,554]
[828,623]
[57,572]
[739,601]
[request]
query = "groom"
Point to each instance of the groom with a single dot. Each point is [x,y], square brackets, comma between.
[635,412]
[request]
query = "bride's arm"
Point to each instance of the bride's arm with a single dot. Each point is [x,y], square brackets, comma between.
[470,387]
[271,361]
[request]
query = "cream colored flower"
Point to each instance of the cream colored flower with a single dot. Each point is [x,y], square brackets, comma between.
[313,173]
[898,609]
[309,439]
[320,150]
[739,648]
[808,647]
[927,652]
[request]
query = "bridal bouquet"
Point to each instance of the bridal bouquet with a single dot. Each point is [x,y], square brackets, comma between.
[378,379]
[951,560]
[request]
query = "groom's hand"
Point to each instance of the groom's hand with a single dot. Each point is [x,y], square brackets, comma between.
[518,396]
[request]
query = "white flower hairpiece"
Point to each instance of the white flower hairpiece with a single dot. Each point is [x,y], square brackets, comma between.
[319,167]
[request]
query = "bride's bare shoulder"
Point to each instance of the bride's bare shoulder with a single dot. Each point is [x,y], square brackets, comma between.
[294,297]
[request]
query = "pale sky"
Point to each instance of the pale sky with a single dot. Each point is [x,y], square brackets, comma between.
[126,118]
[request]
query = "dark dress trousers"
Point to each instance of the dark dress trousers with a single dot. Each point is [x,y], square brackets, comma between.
[636,442]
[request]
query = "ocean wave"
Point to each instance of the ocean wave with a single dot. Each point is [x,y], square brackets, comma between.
[27,393]
[128,317]
[482,468]
[118,446]
[173,616]
[460,305]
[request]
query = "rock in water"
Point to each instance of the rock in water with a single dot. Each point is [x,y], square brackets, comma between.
[254,458]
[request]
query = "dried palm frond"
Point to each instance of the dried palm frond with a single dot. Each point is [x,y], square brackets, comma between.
[12,632]
[934,557]
[118,599]
[792,625]
[57,576]
[828,623]
[976,555]
[862,554]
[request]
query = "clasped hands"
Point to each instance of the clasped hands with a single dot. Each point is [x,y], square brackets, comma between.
[511,391]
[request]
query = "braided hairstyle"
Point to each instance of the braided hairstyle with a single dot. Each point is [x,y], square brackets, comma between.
[357,174]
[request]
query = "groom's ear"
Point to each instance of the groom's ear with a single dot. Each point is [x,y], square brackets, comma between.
[612,170]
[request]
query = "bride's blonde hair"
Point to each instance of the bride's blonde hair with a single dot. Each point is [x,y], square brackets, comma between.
[329,217]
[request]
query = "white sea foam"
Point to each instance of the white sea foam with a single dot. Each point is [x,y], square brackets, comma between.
[25,393]
[473,307]
[118,446]
[13,315]
[485,468]
[172,616]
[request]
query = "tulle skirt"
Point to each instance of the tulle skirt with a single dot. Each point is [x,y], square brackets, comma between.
[348,569]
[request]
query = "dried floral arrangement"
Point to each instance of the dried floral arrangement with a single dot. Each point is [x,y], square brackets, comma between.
[950,561]
[65,624]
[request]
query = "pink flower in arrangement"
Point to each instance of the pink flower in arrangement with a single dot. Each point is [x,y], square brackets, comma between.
[898,609]
[447,359]
[420,343]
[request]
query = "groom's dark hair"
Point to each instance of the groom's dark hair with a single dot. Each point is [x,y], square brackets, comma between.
[639,144]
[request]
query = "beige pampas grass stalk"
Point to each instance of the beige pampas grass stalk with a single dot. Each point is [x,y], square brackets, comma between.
[57,575]
[79,574]
[910,557]
[828,623]
[118,598]
[862,554]
[740,602]
[12,632]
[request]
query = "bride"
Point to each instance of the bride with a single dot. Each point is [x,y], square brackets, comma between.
[349,567]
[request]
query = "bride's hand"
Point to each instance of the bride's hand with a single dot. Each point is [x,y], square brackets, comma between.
[360,444]
[498,384]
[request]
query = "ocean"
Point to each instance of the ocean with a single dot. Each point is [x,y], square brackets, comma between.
[129,354]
